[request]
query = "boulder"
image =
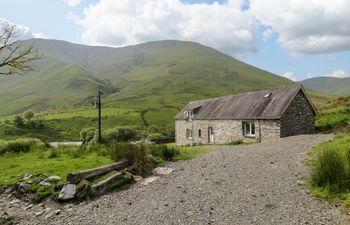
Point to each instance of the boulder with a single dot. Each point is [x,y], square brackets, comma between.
[68,192]
[52,179]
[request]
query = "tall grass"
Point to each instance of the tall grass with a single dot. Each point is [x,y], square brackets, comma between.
[329,170]
[20,145]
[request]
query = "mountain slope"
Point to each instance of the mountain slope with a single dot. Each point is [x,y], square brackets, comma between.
[156,79]
[54,85]
[331,85]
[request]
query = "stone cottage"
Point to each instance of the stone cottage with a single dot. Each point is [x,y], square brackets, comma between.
[257,115]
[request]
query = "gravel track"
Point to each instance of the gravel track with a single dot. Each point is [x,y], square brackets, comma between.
[248,184]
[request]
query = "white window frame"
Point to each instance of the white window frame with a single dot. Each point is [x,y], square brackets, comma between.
[251,126]
[189,133]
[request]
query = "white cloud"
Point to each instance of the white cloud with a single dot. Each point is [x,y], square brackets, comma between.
[119,23]
[72,3]
[309,76]
[338,74]
[290,76]
[312,27]
[22,32]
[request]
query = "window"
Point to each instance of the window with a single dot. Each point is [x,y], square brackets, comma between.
[249,129]
[189,133]
[189,114]
[199,133]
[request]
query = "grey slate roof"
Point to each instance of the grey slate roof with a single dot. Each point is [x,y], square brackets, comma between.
[248,105]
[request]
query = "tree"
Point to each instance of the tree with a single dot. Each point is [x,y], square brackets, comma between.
[28,115]
[14,57]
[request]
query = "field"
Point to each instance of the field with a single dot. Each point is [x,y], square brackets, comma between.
[61,161]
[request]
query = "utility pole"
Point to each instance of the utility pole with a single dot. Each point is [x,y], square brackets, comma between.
[98,104]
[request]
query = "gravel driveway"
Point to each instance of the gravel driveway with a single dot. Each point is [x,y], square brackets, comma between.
[248,184]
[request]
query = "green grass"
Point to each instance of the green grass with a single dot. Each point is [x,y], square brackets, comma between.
[329,187]
[186,153]
[335,116]
[37,161]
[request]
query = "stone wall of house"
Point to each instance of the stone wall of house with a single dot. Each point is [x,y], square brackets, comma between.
[298,117]
[224,131]
[269,129]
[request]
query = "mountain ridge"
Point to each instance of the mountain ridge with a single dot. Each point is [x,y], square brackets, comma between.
[330,85]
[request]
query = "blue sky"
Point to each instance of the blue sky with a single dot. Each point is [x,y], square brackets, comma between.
[304,43]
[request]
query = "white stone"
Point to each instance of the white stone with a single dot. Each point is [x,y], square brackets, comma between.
[149,180]
[163,170]
[68,192]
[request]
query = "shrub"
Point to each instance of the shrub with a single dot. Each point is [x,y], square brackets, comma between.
[28,115]
[119,134]
[152,129]
[87,134]
[136,156]
[163,151]
[236,142]
[329,170]
[18,122]
[155,136]
[122,151]
[35,124]
[19,145]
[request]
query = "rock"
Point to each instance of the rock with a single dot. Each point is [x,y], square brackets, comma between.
[300,182]
[24,184]
[58,211]
[28,207]
[14,201]
[137,178]
[53,179]
[47,209]
[9,190]
[39,213]
[149,180]
[68,206]
[44,183]
[68,192]
[27,176]
[48,216]
[163,170]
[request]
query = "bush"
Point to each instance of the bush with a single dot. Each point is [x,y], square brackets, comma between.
[122,151]
[119,134]
[136,156]
[20,145]
[18,122]
[163,152]
[155,136]
[152,129]
[35,124]
[15,147]
[236,142]
[87,134]
[329,170]
[28,115]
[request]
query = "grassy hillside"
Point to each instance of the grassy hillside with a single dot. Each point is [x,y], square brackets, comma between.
[331,85]
[144,85]
[54,85]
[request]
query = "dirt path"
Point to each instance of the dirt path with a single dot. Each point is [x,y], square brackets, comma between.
[251,184]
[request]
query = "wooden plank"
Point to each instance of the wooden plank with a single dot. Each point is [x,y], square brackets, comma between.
[76,177]
[103,186]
